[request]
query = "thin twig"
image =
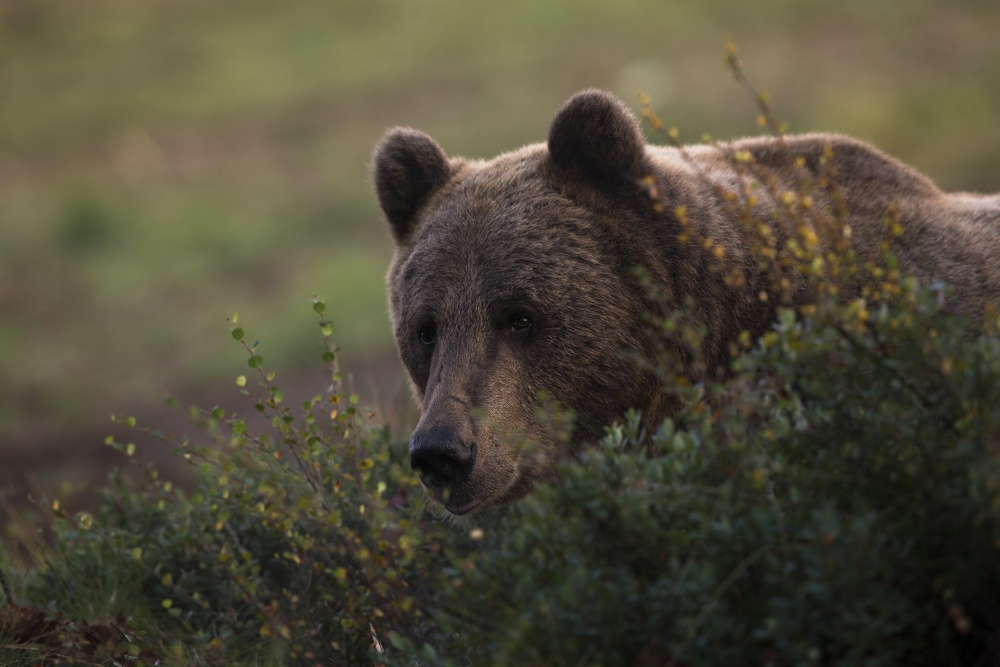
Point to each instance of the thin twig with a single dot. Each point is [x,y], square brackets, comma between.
[6,588]
[736,67]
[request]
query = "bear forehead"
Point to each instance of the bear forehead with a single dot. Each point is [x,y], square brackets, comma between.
[509,189]
[511,242]
[491,209]
[475,248]
[495,230]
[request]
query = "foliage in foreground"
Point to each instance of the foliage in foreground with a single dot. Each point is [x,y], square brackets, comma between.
[835,502]
[801,520]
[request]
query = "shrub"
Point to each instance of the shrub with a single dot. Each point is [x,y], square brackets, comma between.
[836,501]
[299,544]
[804,515]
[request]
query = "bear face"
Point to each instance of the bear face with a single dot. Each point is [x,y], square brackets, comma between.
[505,287]
[491,309]
[515,278]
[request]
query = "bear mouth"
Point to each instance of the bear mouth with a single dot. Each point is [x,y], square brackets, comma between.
[456,501]
[461,510]
[459,500]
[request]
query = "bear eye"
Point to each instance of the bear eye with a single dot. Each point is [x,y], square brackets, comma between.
[428,334]
[521,323]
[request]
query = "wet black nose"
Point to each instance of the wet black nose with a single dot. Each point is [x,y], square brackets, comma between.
[440,458]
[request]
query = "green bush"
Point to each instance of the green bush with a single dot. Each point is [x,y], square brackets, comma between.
[836,501]
[299,543]
[806,514]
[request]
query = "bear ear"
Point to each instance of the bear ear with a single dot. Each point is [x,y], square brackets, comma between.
[595,135]
[409,167]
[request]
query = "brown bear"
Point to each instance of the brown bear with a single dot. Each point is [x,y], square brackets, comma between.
[515,277]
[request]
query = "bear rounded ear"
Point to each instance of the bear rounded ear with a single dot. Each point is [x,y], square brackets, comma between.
[596,135]
[409,167]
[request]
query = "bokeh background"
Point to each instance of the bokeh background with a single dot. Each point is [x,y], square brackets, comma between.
[166,163]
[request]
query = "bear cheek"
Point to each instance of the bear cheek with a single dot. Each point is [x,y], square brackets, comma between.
[506,396]
[503,472]
[507,420]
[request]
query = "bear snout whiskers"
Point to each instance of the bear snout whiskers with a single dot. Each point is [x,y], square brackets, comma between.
[441,459]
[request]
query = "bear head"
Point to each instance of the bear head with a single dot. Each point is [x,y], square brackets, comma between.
[513,279]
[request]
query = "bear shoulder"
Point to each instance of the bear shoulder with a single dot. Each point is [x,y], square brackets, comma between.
[849,161]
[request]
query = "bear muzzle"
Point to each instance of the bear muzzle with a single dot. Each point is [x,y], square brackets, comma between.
[444,463]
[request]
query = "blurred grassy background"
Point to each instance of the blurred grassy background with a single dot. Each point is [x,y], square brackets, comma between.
[166,163]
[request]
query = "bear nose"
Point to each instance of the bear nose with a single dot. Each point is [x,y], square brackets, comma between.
[441,458]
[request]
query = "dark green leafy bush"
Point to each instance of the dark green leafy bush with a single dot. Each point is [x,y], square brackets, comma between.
[298,545]
[836,501]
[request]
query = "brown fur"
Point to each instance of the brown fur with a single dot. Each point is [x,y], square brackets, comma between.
[515,276]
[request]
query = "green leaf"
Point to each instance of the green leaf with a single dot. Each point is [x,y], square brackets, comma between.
[238,333]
